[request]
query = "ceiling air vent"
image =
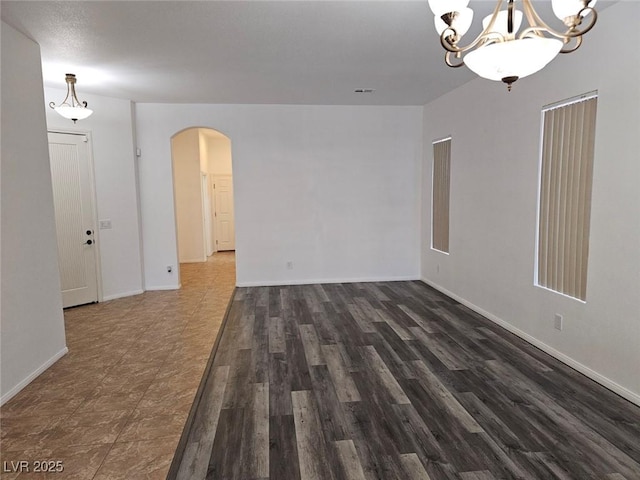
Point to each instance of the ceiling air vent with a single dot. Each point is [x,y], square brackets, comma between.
[364,90]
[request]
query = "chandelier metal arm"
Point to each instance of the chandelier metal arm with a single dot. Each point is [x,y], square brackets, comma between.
[533,18]
[71,93]
[578,42]
[482,39]
[573,31]
[53,105]
[567,37]
[538,31]
[538,26]
[510,18]
[450,63]
[449,37]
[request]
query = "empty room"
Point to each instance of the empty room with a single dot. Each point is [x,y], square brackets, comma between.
[320,240]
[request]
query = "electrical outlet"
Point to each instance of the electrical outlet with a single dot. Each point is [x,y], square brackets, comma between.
[557,322]
[169,268]
[289,265]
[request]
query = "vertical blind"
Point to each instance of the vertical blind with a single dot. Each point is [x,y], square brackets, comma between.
[440,201]
[565,197]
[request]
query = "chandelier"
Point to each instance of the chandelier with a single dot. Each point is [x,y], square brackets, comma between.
[76,110]
[499,52]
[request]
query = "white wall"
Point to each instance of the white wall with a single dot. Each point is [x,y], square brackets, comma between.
[111,128]
[494,178]
[188,196]
[32,324]
[202,145]
[218,151]
[334,189]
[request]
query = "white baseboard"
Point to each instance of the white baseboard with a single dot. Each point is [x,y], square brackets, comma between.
[164,287]
[122,295]
[32,376]
[592,374]
[275,283]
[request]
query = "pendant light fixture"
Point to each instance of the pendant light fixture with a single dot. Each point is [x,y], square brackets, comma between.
[499,52]
[71,107]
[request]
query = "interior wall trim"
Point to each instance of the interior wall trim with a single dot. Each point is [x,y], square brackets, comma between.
[304,281]
[122,295]
[567,360]
[32,376]
[163,287]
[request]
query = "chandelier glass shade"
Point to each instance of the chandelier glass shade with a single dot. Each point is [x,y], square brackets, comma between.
[518,58]
[514,43]
[71,107]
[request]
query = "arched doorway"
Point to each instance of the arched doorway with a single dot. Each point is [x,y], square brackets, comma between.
[203,193]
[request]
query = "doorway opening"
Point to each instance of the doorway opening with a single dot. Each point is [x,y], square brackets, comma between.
[203,195]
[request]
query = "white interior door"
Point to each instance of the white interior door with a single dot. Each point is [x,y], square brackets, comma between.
[225,227]
[75,217]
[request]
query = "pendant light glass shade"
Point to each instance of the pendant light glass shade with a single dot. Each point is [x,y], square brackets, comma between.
[517,58]
[461,23]
[501,24]
[440,7]
[569,8]
[73,113]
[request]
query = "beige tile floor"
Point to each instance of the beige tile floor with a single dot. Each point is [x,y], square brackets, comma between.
[115,405]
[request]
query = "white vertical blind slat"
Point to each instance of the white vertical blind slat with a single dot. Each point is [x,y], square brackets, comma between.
[544,205]
[586,185]
[554,213]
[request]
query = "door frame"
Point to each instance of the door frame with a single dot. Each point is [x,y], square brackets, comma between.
[214,228]
[207,220]
[94,201]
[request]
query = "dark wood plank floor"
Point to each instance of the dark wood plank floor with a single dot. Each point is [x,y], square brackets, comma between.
[394,381]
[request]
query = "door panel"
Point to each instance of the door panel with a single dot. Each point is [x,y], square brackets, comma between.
[225,228]
[74,212]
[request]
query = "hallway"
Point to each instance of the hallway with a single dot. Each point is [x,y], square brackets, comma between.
[115,405]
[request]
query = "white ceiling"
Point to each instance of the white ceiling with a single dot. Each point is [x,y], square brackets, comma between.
[261,51]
